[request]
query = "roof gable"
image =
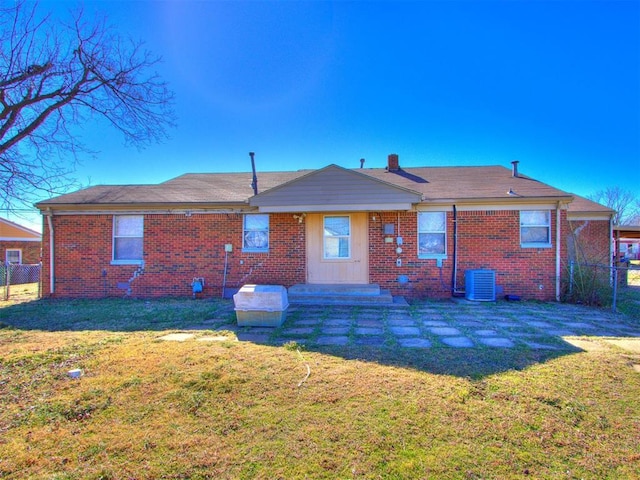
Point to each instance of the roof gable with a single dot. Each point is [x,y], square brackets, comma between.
[337,189]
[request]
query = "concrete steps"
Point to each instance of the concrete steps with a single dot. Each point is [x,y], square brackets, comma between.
[339,294]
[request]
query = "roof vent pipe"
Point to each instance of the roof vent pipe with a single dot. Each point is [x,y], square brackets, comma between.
[393,164]
[254,182]
[514,170]
[361,162]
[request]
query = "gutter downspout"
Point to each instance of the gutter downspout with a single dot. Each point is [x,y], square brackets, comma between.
[558,263]
[454,272]
[52,288]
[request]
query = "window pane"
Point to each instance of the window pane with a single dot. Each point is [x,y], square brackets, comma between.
[128,248]
[431,222]
[431,243]
[13,256]
[129,226]
[534,235]
[535,227]
[256,222]
[128,231]
[256,232]
[534,217]
[336,226]
[336,247]
[256,240]
[336,237]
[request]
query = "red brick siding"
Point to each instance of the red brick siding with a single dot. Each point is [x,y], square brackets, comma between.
[178,248]
[486,240]
[30,250]
[590,241]
[491,240]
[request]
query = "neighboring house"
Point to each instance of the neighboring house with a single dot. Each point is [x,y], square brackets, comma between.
[627,238]
[18,244]
[413,231]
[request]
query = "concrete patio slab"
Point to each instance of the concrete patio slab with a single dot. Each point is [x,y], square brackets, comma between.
[538,324]
[405,331]
[434,323]
[304,322]
[335,330]
[368,331]
[458,342]
[497,342]
[414,342]
[402,322]
[371,323]
[337,322]
[445,331]
[333,340]
[486,333]
[297,331]
[534,326]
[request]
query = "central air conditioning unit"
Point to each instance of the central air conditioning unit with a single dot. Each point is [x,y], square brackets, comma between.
[480,285]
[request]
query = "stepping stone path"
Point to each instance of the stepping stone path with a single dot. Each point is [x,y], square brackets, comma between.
[436,325]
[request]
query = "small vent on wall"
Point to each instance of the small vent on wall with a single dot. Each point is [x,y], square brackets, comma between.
[480,285]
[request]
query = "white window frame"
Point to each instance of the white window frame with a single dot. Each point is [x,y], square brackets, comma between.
[115,236]
[442,255]
[325,237]
[547,225]
[246,232]
[6,255]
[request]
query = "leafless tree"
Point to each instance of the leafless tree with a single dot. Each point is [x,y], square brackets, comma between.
[624,202]
[56,76]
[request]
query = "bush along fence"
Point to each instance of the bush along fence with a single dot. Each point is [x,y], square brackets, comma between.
[12,275]
[597,284]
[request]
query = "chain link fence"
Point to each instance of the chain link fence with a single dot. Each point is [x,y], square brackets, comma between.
[616,285]
[20,281]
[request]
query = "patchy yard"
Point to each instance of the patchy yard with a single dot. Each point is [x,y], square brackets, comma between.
[213,407]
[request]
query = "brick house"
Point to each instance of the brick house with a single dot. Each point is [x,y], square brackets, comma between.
[414,232]
[18,244]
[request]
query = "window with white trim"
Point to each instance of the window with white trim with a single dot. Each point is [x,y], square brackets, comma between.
[255,232]
[535,228]
[128,235]
[337,237]
[432,234]
[13,255]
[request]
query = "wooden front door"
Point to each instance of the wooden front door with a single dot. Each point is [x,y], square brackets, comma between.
[337,248]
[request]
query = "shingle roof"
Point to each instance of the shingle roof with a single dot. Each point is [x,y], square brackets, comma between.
[434,183]
[584,205]
[489,182]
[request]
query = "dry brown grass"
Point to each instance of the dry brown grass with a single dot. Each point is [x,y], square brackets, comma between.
[146,408]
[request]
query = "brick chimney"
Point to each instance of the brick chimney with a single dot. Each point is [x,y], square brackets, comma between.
[393,164]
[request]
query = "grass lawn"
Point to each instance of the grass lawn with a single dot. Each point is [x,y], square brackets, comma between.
[214,408]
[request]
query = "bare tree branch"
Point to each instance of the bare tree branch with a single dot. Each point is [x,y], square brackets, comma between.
[624,202]
[54,76]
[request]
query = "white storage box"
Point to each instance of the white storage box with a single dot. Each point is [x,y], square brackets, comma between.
[261,305]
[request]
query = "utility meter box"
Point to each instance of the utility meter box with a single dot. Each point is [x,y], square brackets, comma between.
[261,305]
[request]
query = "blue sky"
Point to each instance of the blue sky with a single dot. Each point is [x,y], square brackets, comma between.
[553,84]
